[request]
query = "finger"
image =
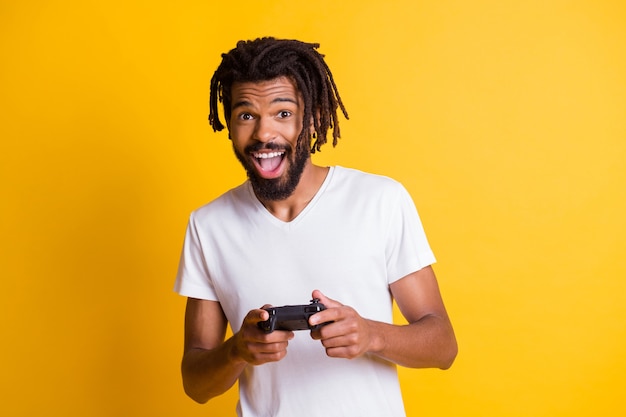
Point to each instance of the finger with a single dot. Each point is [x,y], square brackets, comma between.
[315,334]
[279,336]
[328,302]
[264,314]
[270,347]
[256,315]
[330,314]
[262,353]
[347,352]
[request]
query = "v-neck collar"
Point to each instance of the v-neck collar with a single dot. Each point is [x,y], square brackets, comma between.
[299,218]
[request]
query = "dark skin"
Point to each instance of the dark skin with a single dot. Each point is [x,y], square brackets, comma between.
[272,111]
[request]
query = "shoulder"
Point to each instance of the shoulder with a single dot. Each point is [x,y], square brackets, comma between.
[228,204]
[360,181]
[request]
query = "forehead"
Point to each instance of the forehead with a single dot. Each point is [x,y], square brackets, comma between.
[281,87]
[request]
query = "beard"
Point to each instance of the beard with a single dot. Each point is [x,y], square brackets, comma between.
[280,188]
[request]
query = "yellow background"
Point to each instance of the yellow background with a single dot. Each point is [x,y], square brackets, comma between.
[506,120]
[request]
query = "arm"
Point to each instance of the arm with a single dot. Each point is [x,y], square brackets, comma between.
[210,365]
[427,341]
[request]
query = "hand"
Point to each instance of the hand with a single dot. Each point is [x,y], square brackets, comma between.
[256,347]
[349,335]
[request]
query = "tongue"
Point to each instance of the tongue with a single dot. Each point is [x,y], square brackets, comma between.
[270,164]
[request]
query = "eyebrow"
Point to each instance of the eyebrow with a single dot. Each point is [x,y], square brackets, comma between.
[245,103]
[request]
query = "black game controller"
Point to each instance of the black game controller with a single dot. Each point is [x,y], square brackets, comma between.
[291,317]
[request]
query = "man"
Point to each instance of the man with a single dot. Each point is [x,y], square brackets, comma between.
[296,231]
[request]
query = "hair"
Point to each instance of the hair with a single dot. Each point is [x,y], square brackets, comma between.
[268,58]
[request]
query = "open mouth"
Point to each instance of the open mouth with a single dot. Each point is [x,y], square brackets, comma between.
[269,164]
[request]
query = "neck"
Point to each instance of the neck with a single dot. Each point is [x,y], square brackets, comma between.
[288,209]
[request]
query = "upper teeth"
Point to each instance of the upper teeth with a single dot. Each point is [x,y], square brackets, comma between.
[266,155]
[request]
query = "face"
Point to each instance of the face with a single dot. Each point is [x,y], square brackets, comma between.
[265,124]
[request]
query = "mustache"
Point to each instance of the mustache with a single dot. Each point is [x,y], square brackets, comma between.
[269,146]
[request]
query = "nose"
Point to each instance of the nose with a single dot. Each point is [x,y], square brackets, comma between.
[264,130]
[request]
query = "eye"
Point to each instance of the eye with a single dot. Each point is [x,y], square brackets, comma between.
[284,114]
[245,116]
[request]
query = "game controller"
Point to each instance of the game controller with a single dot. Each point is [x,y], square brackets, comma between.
[291,317]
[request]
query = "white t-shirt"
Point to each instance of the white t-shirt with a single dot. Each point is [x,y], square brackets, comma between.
[360,233]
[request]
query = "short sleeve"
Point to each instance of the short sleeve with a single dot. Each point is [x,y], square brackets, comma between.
[193,278]
[407,248]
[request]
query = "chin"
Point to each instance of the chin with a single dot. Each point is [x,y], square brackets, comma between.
[275,189]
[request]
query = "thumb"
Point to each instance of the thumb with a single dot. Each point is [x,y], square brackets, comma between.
[258,314]
[328,302]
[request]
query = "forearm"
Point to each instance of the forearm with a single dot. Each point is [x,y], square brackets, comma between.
[209,373]
[426,343]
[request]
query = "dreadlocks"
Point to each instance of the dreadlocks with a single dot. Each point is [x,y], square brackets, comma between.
[268,58]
